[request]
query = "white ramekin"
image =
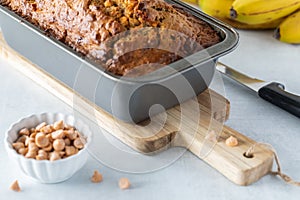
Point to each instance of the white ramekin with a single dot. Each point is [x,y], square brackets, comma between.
[46,171]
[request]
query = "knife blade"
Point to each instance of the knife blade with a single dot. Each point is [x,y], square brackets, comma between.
[272,92]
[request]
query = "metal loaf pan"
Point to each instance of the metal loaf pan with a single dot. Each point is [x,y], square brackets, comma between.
[128,99]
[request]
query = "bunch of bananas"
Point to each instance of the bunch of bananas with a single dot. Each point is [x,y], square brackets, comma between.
[281,15]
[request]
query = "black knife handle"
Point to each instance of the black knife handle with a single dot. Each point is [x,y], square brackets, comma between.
[276,94]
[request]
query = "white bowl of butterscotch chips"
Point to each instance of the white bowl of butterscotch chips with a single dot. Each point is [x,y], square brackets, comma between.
[49,147]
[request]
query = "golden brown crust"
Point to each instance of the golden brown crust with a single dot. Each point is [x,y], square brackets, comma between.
[116,34]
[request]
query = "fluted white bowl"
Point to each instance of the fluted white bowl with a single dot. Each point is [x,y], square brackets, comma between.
[46,171]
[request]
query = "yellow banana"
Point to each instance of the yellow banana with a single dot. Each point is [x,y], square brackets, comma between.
[191,1]
[217,8]
[200,3]
[264,26]
[262,11]
[289,30]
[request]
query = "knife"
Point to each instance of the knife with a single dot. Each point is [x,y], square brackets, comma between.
[272,92]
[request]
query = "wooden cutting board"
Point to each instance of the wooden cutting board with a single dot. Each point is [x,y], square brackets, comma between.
[186,125]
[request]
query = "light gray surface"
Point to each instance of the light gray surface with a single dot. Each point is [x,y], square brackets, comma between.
[188,178]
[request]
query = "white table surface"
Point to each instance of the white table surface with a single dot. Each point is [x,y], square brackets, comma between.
[188,178]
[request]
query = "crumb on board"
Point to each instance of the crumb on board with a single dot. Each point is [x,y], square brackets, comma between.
[231,141]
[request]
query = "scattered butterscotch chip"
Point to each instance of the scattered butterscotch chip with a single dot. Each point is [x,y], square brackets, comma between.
[15,186]
[124,183]
[231,141]
[97,177]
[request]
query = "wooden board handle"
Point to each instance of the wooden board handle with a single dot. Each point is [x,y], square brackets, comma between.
[193,128]
[229,161]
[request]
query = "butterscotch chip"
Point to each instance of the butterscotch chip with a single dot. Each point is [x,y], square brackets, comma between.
[71,134]
[124,20]
[32,130]
[24,131]
[59,144]
[58,125]
[41,157]
[61,153]
[67,142]
[32,135]
[59,134]
[124,183]
[49,136]
[54,156]
[41,140]
[31,154]
[231,141]
[70,150]
[108,3]
[48,148]
[41,125]
[32,147]
[23,151]
[28,140]
[43,152]
[22,139]
[78,143]
[15,186]
[97,177]
[68,127]
[18,145]
[46,129]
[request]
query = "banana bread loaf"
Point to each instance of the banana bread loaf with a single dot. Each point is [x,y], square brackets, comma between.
[126,37]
